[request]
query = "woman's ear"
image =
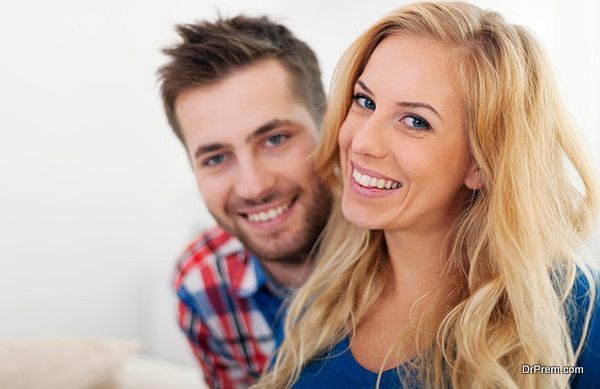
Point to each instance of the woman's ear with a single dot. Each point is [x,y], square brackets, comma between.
[473,178]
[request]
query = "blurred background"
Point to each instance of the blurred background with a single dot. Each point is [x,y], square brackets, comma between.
[97,199]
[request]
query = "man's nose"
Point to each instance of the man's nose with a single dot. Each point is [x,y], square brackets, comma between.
[255,179]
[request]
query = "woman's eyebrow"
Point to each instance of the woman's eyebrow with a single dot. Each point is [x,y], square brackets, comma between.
[364,87]
[412,104]
[408,104]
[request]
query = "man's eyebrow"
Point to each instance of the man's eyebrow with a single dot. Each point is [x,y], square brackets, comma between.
[203,149]
[269,126]
[265,128]
[409,104]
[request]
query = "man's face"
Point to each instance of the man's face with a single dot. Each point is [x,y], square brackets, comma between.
[249,139]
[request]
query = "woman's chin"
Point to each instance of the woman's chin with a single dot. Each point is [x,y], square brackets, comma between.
[361,217]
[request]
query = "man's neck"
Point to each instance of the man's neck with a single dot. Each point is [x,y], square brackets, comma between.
[290,275]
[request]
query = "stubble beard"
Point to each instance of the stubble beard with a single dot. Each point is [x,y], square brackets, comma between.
[289,247]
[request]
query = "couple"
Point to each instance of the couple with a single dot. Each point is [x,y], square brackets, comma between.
[455,194]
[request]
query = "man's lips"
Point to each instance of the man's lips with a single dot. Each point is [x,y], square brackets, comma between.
[267,212]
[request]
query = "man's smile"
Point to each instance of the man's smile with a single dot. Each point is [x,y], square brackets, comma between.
[269,215]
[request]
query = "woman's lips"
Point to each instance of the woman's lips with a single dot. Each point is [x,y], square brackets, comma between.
[371,184]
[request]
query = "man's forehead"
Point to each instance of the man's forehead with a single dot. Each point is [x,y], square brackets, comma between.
[263,79]
[230,110]
[236,126]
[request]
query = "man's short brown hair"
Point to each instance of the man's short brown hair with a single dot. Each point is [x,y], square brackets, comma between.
[212,50]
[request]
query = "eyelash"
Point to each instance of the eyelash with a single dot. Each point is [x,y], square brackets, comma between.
[282,136]
[356,98]
[207,162]
[425,124]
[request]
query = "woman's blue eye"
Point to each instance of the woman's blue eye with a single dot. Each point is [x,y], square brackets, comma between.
[416,122]
[364,101]
[214,160]
[275,140]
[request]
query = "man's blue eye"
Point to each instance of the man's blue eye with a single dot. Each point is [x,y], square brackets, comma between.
[364,101]
[416,122]
[214,160]
[275,140]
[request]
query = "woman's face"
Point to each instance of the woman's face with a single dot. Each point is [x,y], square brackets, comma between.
[403,145]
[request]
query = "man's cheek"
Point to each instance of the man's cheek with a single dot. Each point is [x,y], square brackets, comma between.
[212,202]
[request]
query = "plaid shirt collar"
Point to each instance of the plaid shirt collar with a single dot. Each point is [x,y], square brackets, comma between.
[255,278]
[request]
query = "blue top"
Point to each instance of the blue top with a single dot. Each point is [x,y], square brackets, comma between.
[339,369]
[269,299]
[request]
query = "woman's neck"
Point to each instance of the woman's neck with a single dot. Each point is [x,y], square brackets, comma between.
[416,260]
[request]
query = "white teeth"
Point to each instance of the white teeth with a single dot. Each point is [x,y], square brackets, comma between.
[268,214]
[365,180]
[372,182]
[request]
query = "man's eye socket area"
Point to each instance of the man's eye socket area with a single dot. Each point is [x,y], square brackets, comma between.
[213,160]
[415,122]
[363,101]
[217,160]
[275,140]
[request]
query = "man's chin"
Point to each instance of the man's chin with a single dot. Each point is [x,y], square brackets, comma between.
[276,249]
[272,247]
[293,241]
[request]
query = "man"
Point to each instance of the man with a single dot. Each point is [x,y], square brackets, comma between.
[245,98]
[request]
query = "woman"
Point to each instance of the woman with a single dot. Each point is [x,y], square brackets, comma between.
[457,260]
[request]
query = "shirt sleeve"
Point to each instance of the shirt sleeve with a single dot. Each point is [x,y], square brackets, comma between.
[218,368]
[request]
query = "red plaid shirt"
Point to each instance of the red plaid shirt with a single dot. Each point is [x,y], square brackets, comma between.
[228,309]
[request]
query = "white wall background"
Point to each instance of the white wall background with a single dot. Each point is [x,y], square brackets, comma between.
[96,197]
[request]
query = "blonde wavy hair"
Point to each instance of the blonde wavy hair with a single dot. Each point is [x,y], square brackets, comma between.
[514,251]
